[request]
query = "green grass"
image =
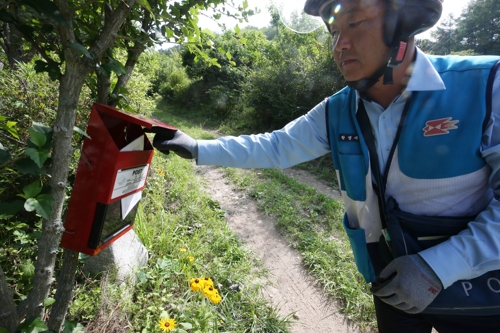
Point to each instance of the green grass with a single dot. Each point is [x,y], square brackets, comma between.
[187,237]
[312,224]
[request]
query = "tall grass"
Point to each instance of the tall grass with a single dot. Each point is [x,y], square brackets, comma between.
[186,235]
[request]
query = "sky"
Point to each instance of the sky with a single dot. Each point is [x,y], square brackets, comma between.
[454,7]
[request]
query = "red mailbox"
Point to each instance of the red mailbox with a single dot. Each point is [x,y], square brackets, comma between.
[111,174]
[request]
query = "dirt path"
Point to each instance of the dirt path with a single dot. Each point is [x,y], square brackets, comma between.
[291,289]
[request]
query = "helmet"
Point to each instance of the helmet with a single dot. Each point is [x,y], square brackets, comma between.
[403,19]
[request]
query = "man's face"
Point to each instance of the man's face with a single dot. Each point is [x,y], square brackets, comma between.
[358,45]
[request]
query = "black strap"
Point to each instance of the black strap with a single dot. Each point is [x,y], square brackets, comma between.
[380,179]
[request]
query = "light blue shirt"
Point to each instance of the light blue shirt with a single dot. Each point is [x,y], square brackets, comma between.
[305,138]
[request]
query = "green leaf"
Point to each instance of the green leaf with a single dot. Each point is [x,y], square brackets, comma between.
[9,209]
[82,132]
[80,48]
[48,301]
[145,4]
[4,154]
[112,66]
[122,90]
[33,325]
[3,330]
[48,8]
[28,167]
[27,269]
[187,326]
[42,204]
[32,190]
[37,138]
[38,156]
[73,327]
[42,128]
[52,68]
[208,32]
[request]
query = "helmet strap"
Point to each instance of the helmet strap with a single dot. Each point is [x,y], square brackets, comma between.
[395,58]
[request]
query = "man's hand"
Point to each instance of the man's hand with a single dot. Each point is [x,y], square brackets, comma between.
[407,283]
[180,143]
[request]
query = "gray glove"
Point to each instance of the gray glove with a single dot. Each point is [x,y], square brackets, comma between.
[408,283]
[180,143]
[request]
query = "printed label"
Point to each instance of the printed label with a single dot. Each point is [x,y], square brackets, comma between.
[128,180]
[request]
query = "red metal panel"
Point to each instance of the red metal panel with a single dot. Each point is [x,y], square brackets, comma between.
[101,161]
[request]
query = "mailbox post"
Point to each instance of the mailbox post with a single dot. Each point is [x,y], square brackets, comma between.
[111,174]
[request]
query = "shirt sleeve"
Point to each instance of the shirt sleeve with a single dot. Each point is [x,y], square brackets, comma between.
[475,250]
[301,140]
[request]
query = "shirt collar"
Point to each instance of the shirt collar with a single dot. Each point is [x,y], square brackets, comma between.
[424,76]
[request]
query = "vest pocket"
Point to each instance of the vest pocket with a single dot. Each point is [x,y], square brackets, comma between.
[357,240]
[353,173]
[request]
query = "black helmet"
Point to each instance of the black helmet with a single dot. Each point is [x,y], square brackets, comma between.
[403,19]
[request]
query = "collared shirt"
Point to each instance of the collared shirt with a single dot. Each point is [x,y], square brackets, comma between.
[305,139]
[385,121]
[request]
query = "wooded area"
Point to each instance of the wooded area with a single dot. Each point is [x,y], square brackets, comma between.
[60,56]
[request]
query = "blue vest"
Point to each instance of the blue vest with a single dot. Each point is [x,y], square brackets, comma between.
[440,143]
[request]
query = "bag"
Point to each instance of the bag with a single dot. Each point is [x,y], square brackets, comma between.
[410,234]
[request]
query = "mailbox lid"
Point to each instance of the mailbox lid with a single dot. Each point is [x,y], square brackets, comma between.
[131,117]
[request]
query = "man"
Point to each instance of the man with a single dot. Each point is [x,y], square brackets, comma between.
[433,125]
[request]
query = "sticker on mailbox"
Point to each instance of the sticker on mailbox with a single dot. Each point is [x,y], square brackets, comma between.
[128,180]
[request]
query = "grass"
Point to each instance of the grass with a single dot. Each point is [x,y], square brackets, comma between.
[187,237]
[312,224]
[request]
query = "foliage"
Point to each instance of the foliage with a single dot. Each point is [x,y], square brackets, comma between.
[479,27]
[262,84]
[26,100]
[170,79]
[78,43]
[476,31]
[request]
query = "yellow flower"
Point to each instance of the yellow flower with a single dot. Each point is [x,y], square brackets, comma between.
[215,298]
[196,284]
[183,249]
[191,259]
[167,324]
[210,292]
[207,282]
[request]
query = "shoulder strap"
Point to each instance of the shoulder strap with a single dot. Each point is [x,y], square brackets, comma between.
[380,179]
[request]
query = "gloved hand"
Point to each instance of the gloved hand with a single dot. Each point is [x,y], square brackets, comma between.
[180,143]
[408,283]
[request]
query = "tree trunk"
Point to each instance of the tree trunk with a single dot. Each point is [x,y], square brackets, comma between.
[133,57]
[103,85]
[71,83]
[8,312]
[64,294]
[69,92]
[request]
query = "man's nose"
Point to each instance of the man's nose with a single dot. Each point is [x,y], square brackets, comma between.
[341,42]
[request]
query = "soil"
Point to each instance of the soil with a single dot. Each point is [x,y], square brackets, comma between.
[289,288]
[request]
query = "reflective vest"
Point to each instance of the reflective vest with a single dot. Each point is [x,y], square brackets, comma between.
[437,168]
